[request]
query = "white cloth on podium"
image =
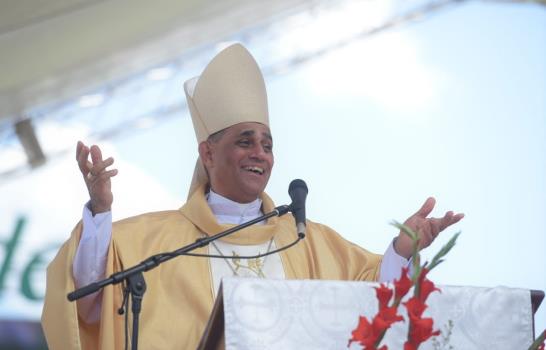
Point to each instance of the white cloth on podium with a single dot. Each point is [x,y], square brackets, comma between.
[305,314]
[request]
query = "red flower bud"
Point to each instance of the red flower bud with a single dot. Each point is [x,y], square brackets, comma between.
[402,285]
[384,295]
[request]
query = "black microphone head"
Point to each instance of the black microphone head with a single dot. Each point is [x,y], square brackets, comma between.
[298,192]
[297,187]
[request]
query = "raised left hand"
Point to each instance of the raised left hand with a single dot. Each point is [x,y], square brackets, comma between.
[427,228]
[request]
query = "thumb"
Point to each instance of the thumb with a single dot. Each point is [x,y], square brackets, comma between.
[427,207]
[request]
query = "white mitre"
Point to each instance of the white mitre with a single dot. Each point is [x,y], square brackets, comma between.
[231,90]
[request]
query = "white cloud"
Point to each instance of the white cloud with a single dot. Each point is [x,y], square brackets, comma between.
[326,25]
[385,68]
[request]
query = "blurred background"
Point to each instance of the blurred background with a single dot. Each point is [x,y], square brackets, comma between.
[376,104]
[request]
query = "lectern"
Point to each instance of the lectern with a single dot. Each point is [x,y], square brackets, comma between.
[316,314]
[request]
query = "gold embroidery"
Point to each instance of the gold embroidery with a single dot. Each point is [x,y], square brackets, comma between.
[255,265]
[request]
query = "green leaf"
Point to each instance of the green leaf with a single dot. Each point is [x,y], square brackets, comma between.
[443,252]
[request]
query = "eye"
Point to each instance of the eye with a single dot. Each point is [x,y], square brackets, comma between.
[243,143]
[268,147]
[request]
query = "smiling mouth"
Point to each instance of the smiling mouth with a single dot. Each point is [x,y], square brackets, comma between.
[255,170]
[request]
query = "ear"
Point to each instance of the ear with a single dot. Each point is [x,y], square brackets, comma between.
[205,153]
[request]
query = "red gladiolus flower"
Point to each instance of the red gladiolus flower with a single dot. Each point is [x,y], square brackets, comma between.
[427,287]
[408,346]
[383,321]
[384,295]
[363,333]
[379,325]
[415,308]
[422,277]
[421,330]
[402,285]
[389,316]
[369,334]
[423,274]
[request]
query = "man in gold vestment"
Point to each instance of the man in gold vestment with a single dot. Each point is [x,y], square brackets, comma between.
[228,105]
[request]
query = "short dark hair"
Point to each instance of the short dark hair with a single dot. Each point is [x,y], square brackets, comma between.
[217,136]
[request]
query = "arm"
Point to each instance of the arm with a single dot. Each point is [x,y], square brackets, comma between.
[89,263]
[90,259]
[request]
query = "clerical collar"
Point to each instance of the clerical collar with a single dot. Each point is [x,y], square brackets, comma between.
[222,206]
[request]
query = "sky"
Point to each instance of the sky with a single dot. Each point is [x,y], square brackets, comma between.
[453,106]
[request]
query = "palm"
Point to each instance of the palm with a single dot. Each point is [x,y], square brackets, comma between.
[100,192]
[427,228]
[97,178]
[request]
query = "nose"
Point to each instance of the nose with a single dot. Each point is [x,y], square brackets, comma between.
[258,153]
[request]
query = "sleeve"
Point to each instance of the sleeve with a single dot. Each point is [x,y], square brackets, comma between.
[392,265]
[90,260]
[63,328]
[59,316]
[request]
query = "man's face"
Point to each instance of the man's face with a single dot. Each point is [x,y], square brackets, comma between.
[240,162]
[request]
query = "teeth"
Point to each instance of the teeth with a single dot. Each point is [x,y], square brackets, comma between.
[255,169]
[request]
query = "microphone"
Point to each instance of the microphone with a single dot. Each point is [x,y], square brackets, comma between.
[298,192]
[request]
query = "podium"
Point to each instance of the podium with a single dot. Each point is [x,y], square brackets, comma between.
[317,314]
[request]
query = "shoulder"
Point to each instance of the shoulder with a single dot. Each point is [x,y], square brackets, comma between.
[315,230]
[321,234]
[152,217]
[155,223]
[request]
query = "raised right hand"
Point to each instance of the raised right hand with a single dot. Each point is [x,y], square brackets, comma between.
[96,177]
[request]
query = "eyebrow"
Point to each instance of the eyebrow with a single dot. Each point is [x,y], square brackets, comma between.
[248,133]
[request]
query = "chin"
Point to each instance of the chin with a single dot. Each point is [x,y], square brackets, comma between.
[254,191]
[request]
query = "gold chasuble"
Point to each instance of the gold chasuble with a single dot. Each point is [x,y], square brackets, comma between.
[179,295]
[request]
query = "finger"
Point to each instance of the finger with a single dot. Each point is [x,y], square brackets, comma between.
[98,168]
[456,218]
[96,154]
[449,220]
[427,207]
[445,221]
[106,175]
[82,159]
[79,147]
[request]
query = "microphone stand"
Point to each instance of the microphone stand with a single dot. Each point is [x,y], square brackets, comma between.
[135,279]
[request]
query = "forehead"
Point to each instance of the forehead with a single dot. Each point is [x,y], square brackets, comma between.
[249,129]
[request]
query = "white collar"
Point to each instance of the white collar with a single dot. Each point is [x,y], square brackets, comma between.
[223,206]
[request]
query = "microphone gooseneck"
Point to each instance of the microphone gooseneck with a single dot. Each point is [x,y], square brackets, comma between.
[298,193]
